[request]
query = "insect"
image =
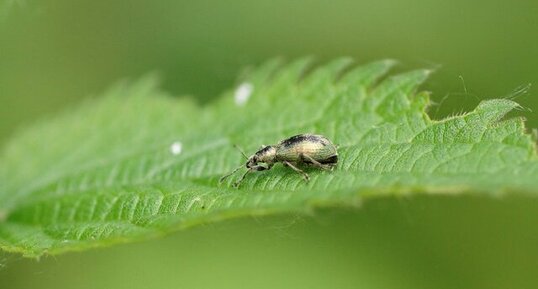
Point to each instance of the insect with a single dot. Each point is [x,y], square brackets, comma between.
[303,149]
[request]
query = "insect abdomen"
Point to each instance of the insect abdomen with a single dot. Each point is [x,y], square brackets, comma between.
[316,146]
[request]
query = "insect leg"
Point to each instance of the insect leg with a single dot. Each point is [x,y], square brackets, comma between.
[233,172]
[314,162]
[305,175]
[236,184]
[261,168]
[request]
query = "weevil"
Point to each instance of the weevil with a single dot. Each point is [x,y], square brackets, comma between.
[303,149]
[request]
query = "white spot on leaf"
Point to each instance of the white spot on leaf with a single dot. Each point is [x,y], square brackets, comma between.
[243,93]
[176,148]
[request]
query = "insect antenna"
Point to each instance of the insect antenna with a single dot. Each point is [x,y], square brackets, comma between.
[235,170]
[231,173]
[241,151]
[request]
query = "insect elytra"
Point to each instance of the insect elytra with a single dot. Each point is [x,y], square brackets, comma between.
[303,149]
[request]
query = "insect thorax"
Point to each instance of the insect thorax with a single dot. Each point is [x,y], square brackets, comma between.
[266,155]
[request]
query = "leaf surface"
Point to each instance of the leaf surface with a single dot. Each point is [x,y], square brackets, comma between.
[137,162]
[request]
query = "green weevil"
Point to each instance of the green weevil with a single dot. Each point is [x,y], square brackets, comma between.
[303,149]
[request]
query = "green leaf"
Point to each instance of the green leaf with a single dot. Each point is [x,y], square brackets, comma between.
[138,163]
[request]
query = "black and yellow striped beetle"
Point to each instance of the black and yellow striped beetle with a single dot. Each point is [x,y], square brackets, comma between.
[303,149]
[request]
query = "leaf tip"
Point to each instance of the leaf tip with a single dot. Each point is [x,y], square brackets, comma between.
[415,77]
[337,65]
[382,66]
[262,73]
[389,62]
[498,106]
[345,60]
[428,71]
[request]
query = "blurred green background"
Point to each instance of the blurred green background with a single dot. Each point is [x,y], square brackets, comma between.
[55,53]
